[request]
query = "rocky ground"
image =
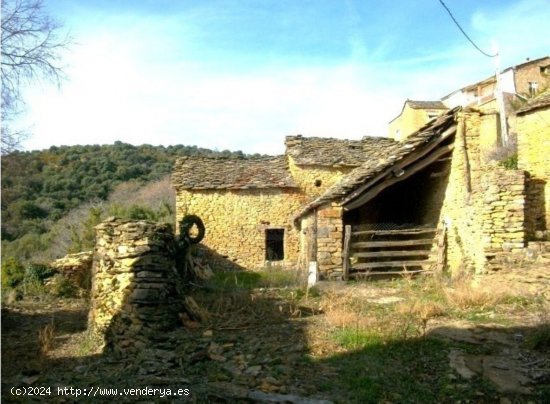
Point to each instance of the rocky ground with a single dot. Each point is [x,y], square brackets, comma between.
[277,345]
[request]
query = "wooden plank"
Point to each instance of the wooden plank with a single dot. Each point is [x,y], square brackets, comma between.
[442,249]
[393,232]
[346,252]
[412,169]
[392,243]
[369,273]
[367,265]
[386,253]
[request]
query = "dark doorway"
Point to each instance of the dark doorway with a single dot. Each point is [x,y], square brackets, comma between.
[274,244]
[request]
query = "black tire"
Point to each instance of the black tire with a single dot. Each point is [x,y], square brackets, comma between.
[187,223]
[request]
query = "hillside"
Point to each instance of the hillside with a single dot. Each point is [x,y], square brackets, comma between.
[39,188]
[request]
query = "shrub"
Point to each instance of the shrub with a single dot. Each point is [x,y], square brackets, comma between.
[13,273]
[60,286]
[38,272]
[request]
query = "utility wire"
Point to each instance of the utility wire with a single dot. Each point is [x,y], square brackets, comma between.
[465,34]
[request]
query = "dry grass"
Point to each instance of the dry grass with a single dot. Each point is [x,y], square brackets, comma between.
[46,337]
[345,310]
[464,294]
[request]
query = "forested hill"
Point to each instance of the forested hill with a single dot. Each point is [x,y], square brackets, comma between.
[39,187]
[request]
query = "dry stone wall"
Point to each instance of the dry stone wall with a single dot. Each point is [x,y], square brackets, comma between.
[76,267]
[484,207]
[503,193]
[133,298]
[330,235]
[236,222]
[461,207]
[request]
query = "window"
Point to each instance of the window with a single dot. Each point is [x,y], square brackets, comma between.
[533,87]
[432,115]
[274,244]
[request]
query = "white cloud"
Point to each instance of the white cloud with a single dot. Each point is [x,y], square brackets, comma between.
[139,84]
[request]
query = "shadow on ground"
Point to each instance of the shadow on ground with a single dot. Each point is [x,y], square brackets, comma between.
[258,345]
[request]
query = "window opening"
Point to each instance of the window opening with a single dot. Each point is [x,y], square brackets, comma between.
[274,244]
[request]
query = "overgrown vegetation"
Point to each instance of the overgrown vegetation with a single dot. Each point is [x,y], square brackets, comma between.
[52,199]
[40,187]
[507,154]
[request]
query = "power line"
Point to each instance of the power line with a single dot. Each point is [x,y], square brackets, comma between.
[465,34]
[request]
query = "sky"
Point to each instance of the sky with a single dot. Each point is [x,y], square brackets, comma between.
[243,74]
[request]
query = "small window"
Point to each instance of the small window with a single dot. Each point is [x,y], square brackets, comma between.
[274,244]
[533,87]
[318,183]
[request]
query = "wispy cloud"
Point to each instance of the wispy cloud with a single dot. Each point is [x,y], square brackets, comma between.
[141,79]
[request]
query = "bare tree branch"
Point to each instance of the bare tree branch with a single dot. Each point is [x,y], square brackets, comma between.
[31,50]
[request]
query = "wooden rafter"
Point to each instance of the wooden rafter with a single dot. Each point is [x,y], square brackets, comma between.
[402,164]
[412,169]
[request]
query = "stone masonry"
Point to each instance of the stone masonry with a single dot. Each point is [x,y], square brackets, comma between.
[133,298]
[503,214]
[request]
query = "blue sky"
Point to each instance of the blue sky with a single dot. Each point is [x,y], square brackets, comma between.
[241,75]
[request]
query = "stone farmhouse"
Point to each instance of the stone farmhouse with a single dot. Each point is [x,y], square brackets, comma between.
[357,208]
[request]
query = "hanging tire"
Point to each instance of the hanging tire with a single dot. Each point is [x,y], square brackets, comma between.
[187,223]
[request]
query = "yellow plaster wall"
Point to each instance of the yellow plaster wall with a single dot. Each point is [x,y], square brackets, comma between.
[489,138]
[533,132]
[236,222]
[409,121]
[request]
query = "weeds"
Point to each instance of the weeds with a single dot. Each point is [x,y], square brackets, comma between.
[46,337]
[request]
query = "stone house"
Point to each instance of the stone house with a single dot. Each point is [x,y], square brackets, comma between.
[354,208]
[526,80]
[413,116]
[247,205]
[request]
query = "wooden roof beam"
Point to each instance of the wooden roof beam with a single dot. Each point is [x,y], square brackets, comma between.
[412,169]
[402,164]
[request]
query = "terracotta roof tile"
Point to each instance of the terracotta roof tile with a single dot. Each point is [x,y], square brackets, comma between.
[334,152]
[226,173]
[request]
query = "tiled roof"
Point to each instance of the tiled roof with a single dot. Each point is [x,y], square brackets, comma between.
[226,173]
[426,104]
[335,152]
[385,160]
[540,101]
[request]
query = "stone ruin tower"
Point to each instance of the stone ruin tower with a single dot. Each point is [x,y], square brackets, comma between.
[134,298]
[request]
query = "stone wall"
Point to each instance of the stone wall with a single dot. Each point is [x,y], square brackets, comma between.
[531,72]
[133,298]
[461,207]
[236,222]
[76,267]
[503,193]
[484,207]
[329,242]
[533,133]
[315,180]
